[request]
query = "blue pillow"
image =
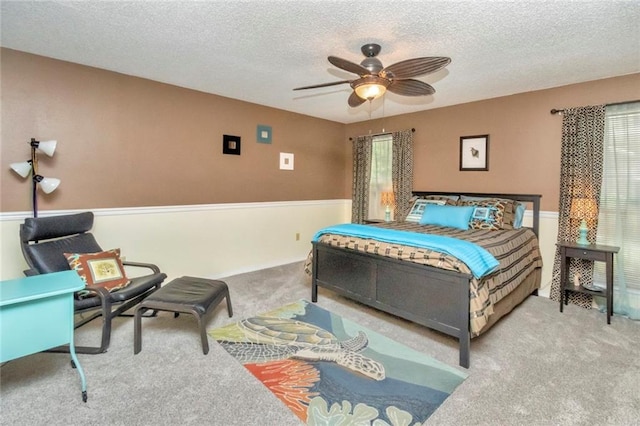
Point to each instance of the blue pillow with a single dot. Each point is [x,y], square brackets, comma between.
[451,216]
[517,221]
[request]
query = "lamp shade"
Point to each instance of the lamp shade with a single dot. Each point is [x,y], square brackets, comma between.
[23,169]
[583,208]
[386,198]
[48,147]
[48,185]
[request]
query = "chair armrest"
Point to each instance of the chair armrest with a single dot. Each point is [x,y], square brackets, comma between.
[99,291]
[151,266]
[30,272]
[103,294]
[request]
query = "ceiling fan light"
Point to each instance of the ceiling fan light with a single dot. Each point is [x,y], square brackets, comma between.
[23,168]
[371,87]
[370,91]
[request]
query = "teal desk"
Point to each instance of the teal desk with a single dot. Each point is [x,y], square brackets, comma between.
[36,314]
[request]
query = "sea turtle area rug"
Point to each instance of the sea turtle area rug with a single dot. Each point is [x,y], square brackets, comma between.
[331,371]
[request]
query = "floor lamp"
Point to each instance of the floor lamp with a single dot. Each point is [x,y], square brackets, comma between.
[30,167]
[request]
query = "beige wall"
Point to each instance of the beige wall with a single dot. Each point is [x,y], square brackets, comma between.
[524,138]
[129,142]
[126,142]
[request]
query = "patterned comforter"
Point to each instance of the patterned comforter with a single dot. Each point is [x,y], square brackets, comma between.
[516,250]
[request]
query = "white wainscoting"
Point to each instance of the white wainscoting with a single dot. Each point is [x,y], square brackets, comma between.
[219,240]
[209,241]
[548,237]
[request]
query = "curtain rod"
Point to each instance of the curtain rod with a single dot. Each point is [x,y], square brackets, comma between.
[560,111]
[385,133]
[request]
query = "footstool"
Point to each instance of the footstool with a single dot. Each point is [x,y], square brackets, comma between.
[191,295]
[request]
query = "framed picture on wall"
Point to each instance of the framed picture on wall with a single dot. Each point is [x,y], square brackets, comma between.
[474,153]
[231,144]
[263,133]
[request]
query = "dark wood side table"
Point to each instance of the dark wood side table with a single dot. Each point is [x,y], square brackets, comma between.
[370,221]
[594,252]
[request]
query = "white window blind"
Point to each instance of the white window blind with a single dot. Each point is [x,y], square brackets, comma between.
[381,180]
[619,215]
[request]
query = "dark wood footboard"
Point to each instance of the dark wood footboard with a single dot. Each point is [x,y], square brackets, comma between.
[429,296]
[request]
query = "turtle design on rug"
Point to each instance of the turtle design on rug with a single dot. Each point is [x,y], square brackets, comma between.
[329,370]
[267,339]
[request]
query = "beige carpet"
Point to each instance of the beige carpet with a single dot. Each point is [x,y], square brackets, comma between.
[535,367]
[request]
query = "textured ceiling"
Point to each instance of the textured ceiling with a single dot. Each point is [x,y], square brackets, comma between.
[258,51]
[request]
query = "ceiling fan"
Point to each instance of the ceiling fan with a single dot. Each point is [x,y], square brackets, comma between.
[374,79]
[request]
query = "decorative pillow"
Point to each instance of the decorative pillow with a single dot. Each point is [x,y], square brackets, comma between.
[102,269]
[418,209]
[451,216]
[415,213]
[450,199]
[482,213]
[501,213]
[520,209]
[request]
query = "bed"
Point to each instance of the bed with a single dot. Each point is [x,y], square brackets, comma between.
[430,287]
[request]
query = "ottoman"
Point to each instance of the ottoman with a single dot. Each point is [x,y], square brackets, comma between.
[191,295]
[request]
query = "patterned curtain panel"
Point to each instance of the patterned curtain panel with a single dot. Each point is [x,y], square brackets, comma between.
[580,177]
[361,178]
[402,170]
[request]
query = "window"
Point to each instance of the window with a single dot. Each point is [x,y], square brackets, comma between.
[381,180]
[619,216]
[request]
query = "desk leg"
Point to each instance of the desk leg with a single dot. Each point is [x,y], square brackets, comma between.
[76,363]
[74,358]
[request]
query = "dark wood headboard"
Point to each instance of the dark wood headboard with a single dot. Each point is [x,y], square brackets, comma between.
[533,199]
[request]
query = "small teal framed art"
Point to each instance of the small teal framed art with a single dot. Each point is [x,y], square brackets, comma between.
[263,133]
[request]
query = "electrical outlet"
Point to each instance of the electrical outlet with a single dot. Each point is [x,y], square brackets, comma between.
[297,236]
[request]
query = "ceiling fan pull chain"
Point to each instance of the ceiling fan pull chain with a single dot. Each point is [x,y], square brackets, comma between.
[383,98]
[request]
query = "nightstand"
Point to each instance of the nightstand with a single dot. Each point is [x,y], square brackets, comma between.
[370,221]
[594,252]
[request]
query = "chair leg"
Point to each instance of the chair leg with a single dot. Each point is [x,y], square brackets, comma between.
[137,329]
[105,338]
[229,308]
[106,334]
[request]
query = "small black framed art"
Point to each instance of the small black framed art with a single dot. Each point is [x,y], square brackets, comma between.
[231,144]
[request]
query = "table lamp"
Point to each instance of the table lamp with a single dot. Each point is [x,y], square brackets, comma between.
[387,200]
[583,209]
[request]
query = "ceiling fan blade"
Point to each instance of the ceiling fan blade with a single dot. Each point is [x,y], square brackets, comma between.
[415,67]
[355,100]
[411,87]
[349,66]
[335,83]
